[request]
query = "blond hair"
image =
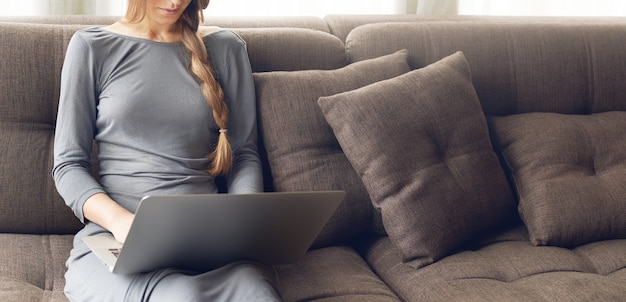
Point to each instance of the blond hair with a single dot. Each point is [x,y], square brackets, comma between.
[221,158]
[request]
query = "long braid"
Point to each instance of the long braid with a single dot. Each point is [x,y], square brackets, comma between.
[221,158]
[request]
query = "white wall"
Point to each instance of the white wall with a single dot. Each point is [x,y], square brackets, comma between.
[47,7]
[543,7]
[217,7]
[324,7]
[318,8]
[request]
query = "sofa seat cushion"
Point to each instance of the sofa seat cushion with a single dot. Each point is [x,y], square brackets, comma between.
[332,274]
[569,173]
[32,267]
[507,267]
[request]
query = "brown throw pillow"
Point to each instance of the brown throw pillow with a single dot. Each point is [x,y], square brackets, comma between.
[301,148]
[570,174]
[421,146]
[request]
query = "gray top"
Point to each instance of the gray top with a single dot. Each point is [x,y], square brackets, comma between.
[146,112]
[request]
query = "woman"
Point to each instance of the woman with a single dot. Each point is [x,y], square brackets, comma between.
[167,119]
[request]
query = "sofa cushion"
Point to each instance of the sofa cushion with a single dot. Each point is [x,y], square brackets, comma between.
[421,146]
[32,267]
[301,149]
[507,267]
[569,174]
[335,273]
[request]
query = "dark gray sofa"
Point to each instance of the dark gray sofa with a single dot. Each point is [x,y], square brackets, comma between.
[539,214]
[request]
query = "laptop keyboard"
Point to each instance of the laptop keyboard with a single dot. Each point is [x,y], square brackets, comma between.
[115,252]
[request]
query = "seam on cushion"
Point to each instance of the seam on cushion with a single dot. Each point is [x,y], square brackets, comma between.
[49,221]
[549,272]
[23,282]
[55,286]
[521,278]
[326,296]
[429,37]
[616,271]
[584,256]
[391,285]
[514,97]
[485,241]
[591,105]
[48,262]
[514,80]
[589,137]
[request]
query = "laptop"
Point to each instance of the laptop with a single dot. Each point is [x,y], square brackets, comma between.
[202,232]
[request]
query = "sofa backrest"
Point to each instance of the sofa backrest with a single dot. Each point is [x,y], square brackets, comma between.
[288,49]
[517,67]
[342,25]
[531,65]
[32,56]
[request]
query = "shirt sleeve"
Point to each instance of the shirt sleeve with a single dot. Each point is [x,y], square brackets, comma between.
[230,59]
[75,127]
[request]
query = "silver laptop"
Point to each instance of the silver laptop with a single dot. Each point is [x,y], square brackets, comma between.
[205,231]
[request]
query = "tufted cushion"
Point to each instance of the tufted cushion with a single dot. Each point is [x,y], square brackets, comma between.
[336,273]
[507,267]
[569,171]
[421,146]
[32,267]
[32,56]
[302,151]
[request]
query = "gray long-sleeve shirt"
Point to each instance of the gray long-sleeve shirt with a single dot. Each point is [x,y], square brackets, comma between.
[146,112]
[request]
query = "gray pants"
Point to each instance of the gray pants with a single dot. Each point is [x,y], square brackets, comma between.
[87,279]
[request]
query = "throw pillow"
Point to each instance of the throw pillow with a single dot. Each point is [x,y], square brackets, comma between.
[421,146]
[301,148]
[570,174]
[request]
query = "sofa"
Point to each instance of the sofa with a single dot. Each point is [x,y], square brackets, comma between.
[484,158]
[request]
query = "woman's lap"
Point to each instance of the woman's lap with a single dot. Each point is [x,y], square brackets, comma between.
[87,279]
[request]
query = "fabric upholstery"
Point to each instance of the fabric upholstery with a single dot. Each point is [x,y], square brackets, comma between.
[517,67]
[342,25]
[421,146]
[570,174]
[335,273]
[32,267]
[563,65]
[27,121]
[507,267]
[287,49]
[302,151]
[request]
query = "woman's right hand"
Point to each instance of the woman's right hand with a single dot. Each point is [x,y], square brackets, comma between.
[104,211]
[121,227]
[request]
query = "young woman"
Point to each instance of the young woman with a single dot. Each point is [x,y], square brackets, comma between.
[170,106]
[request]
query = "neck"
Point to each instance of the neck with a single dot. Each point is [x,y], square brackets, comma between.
[156,32]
